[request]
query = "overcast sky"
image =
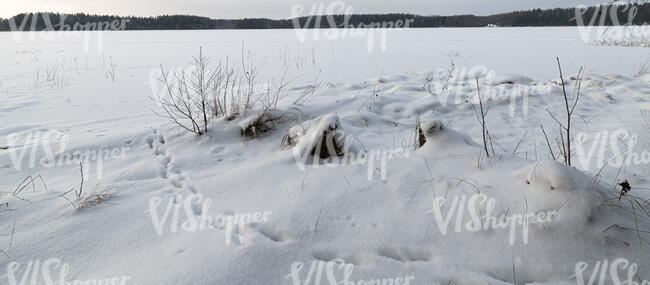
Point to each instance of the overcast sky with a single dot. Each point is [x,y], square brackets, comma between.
[274,8]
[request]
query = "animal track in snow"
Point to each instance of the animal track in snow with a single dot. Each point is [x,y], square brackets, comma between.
[167,170]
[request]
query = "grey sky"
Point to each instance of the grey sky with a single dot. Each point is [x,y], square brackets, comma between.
[275,8]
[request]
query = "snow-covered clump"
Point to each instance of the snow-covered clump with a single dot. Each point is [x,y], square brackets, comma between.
[321,139]
[265,121]
[436,137]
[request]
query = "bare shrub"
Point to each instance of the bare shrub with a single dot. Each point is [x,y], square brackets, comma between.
[481,114]
[177,106]
[249,72]
[193,99]
[185,101]
[265,119]
[564,144]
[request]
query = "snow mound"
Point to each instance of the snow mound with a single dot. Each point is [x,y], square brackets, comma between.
[434,135]
[571,192]
[557,176]
[645,77]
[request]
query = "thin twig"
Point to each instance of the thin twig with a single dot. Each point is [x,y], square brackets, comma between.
[547,142]
[522,139]
[318,220]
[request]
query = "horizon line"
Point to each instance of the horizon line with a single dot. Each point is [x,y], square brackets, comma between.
[314,15]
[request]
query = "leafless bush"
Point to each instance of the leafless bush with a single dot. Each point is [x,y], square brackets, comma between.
[564,144]
[249,72]
[177,106]
[186,100]
[264,120]
[481,114]
[193,99]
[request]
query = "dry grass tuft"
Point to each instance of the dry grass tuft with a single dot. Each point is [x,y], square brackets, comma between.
[636,207]
[82,200]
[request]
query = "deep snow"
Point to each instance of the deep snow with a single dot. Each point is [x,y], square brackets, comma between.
[387,210]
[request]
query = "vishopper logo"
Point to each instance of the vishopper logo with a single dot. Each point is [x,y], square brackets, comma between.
[196,210]
[520,94]
[48,149]
[51,271]
[592,23]
[609,149]
[604,271]
[345,29]
[451,87]
[480,209]
[336,272]
[51,29]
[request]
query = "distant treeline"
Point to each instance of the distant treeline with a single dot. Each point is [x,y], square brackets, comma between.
[537,17]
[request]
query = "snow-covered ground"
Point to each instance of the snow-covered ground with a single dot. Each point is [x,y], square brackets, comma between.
[176,208]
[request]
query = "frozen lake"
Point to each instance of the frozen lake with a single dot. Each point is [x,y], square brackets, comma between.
[517,50]
[84,58]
